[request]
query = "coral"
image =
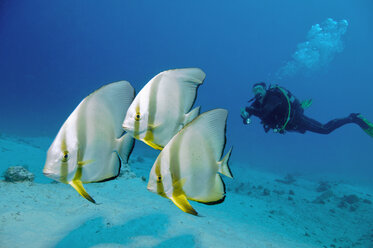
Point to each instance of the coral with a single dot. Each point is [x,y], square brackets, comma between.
[18,174]
[279,192]
[323,186]
[350,199]
[350,202]
[266,192]
[126,172]
[323,197]
[288,179]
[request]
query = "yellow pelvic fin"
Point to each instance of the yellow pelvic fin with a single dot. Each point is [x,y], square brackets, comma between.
[181,202]
[149,137]
[152,126]
[178,185]
[78,186]
[82,163]
[179,198]
[151,144]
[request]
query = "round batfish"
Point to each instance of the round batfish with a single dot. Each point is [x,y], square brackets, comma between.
[188,166]
[90,146]
[162,106]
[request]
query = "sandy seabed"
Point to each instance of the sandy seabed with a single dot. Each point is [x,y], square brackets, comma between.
[263,210]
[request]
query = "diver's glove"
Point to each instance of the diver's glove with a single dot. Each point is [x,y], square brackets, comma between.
[245,116]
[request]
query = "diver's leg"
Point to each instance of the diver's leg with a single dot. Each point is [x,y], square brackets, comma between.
[312,125]
[337,123]
[358,119]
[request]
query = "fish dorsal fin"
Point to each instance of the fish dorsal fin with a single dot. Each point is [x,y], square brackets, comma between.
[116,98]
[210,126]
[187,80]
[180,200]
[78,186]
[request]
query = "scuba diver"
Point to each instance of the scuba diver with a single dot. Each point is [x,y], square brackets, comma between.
[279,110]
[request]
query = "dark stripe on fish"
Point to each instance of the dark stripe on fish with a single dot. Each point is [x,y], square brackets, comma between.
[82,141]
[160,187]
[79,169]
[64,165]
[152,109]
[175,160]
[136,128]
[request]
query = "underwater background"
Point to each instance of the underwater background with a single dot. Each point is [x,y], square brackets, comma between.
[55,53]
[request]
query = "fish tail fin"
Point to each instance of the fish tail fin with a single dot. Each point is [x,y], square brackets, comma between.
[78,186]
[223,165]
[125,146]
[191,115]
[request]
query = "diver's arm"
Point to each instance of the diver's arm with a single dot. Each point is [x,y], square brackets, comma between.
[252,111]
[247,112]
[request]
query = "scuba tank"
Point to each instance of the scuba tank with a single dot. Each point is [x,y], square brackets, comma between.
[292,103]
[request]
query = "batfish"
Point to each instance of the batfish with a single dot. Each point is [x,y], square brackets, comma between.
[90,146]
[162,106]
[187,168]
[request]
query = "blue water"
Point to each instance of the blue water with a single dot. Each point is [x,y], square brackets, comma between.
[54,53]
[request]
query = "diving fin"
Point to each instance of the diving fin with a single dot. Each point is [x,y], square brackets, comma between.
[78,186]
[306,103]
[368,127]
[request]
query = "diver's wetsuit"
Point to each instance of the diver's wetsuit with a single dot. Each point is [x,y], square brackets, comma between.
[274,114]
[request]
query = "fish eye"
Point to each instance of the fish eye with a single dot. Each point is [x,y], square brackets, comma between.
[137,117]
[159,179]
[65,156]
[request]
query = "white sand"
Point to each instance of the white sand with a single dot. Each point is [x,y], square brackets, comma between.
[127,215]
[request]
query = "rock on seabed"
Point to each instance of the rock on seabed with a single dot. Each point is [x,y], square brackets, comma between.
[18,174]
